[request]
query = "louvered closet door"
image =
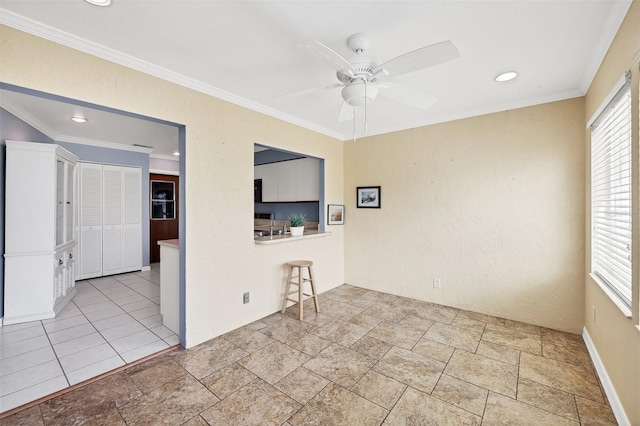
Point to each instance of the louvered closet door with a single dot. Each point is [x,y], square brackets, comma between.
[112,220]
[90,220]
[132,215]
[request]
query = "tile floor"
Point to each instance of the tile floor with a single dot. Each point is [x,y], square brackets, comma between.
[112,321]
[367,358]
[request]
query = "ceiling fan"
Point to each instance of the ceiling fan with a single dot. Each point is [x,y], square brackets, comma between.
[362,78]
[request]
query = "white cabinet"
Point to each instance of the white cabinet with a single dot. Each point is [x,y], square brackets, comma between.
[39,273]
[308,179]
[110,220]
[287,178]
[269,175]
[290,181]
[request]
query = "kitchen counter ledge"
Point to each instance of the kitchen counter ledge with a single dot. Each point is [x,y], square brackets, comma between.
[277,239]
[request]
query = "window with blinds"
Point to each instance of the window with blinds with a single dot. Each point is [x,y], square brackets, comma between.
[611,208]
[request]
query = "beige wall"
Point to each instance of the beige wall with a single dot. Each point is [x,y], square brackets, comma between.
[492,205]
[615,336]
[222,261]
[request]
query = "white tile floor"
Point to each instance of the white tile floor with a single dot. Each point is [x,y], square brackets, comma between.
[112,321]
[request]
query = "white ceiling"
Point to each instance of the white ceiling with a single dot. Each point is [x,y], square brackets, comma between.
[245,51]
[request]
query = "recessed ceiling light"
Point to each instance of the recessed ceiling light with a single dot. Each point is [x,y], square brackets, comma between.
[506,76]
[176,153]
[99,2]
[79,119]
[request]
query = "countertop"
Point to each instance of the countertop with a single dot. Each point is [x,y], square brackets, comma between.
[276,239]
[170,243]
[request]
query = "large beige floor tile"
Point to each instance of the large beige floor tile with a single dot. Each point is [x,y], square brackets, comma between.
[410,368]
[341,365]
[404,336]
[372,347]
[593,413]
[499,352]
[247,339]
[560,375]
[302,384]
[208,357]
[432,349]
[418,408]
[257,403]
[380,389]
[513,338]
[227,380]
[335,405]
[549,399]
[457,337]
[174,403]
[342,332]
[273,362]
[506,411]
[484,372]
[461,394]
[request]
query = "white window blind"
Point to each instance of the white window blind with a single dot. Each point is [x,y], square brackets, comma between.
[611,194]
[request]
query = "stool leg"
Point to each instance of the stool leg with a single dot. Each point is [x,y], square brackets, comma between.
[300,293]
[287,289]
[313,290]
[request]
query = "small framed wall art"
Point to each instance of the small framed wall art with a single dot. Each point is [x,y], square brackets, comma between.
[335,214]
[368,197]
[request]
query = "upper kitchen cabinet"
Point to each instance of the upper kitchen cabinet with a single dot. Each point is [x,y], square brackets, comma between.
[40,231]
[290,181]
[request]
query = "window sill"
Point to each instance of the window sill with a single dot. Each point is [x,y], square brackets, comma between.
[623,308]
[277,239]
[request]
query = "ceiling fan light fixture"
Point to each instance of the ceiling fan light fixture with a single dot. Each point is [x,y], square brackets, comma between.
[359,93]
[506,76]
[78,119]
[99,2]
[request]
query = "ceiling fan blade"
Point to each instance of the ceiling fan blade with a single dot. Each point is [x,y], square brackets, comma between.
[346,112]
[418,59]
[407,95]
[326,54]
[309,90]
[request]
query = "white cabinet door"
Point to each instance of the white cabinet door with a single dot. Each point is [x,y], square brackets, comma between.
[111,220]
[308,179]
[90,220]
[132,219]
[287,180]
[269,176]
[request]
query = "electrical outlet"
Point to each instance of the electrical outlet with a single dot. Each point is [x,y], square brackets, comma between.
[245,298]
[436,283]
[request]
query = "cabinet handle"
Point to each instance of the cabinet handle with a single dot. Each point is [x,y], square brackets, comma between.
[60,262]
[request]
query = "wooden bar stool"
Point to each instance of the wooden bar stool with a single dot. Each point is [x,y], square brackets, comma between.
[300,265]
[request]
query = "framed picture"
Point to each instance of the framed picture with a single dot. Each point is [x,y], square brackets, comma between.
[368,197]
[335,214]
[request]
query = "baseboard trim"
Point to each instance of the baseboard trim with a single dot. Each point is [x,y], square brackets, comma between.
[612,396]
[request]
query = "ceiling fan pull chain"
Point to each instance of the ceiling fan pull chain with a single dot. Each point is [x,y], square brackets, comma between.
[365,108]
[354,124]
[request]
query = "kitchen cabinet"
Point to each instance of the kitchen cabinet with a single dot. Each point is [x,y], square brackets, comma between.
[290,181]
[40,231]
[110,220]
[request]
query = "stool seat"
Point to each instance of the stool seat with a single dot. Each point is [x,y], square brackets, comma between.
[300,265]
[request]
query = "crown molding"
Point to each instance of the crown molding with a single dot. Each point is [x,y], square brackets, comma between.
[47,32]
[103,144]
[28,118]
[165,157]
[609,31]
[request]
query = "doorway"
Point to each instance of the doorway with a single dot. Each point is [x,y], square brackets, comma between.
[164,211]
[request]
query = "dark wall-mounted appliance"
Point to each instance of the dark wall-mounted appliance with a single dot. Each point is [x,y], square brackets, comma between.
[257,190]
